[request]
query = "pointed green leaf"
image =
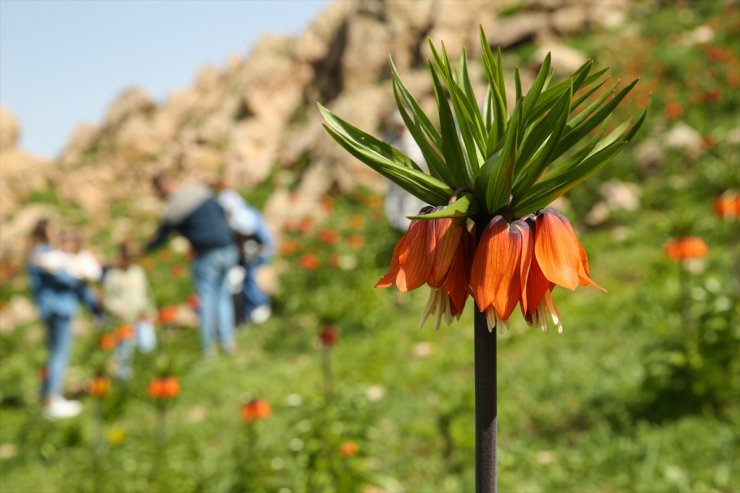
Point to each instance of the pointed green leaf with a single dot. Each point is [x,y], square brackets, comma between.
[554,185]
[462,207]
[425,187]
[451,148]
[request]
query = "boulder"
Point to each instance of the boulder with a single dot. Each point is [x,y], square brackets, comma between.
[570,20]
[615,196]
[10,130]
[83,138]
[684,138]
[511,31]
[132,101]
[565,59]
[649,155]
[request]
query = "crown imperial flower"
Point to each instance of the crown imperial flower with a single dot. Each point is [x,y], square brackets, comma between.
[497,169]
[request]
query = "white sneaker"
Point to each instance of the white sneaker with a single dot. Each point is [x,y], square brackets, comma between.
[261,314]
[60,408]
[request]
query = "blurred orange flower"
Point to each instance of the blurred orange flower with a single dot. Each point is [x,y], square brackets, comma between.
[163,388]
[727,206]
[673,110]
[99,386]
[357,222]
[327,203]
[689,247]
[178,271]
[289,247]
[355,242]
[255,410]
[309,261]
[329,236]
[306,224]
[124,332]
[349,448]
[167,314]
[107,342]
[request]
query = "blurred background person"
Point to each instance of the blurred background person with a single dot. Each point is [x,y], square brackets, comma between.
[192,211]
[57,294]
[126,294]
[256,248]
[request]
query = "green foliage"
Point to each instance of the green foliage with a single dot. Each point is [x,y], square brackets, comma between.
[517,163]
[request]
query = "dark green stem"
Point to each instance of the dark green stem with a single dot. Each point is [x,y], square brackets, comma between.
[486,472]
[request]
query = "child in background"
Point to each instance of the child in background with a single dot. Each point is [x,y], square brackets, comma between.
[58,294]
[127,296]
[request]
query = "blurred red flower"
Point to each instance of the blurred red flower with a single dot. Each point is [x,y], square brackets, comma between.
[673,110]
[349,448]
[124,332]
[107,342]
[163,388]
[255,410]
[727,206]
[193,301]
[329,236]
[99,386]
[356,242]
[328,336]
[309,261]
[167,314]
[688,247]
[289,247]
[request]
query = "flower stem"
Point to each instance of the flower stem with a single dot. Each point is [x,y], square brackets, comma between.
[486,472]
[328,374]
[683,277]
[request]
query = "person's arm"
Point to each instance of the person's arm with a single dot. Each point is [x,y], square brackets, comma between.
[88,298]
[266,240]
[160,238]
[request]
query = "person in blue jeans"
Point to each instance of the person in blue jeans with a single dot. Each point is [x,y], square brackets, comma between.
[57,294]
[256,245]
[192,211]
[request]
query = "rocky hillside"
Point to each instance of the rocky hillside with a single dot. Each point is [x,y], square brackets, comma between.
[254,119]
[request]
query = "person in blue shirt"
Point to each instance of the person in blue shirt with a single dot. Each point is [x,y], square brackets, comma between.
[256,245]
[57,294]
[192,211]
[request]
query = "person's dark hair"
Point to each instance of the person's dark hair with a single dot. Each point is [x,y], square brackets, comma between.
[159,179]
[127,248]
[40,232]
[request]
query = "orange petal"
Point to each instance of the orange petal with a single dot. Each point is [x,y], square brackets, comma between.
[537,287]
[556,250]
[445,236]
[584,271]
[456,282]
[496,268]
[527,253]
[390,278]
[480,286]
[413,265]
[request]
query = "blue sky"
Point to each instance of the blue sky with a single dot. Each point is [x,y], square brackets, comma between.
[63,61]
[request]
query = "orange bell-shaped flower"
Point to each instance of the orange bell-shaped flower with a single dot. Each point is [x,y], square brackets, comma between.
[559,253]
[500,269]
[435,252]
